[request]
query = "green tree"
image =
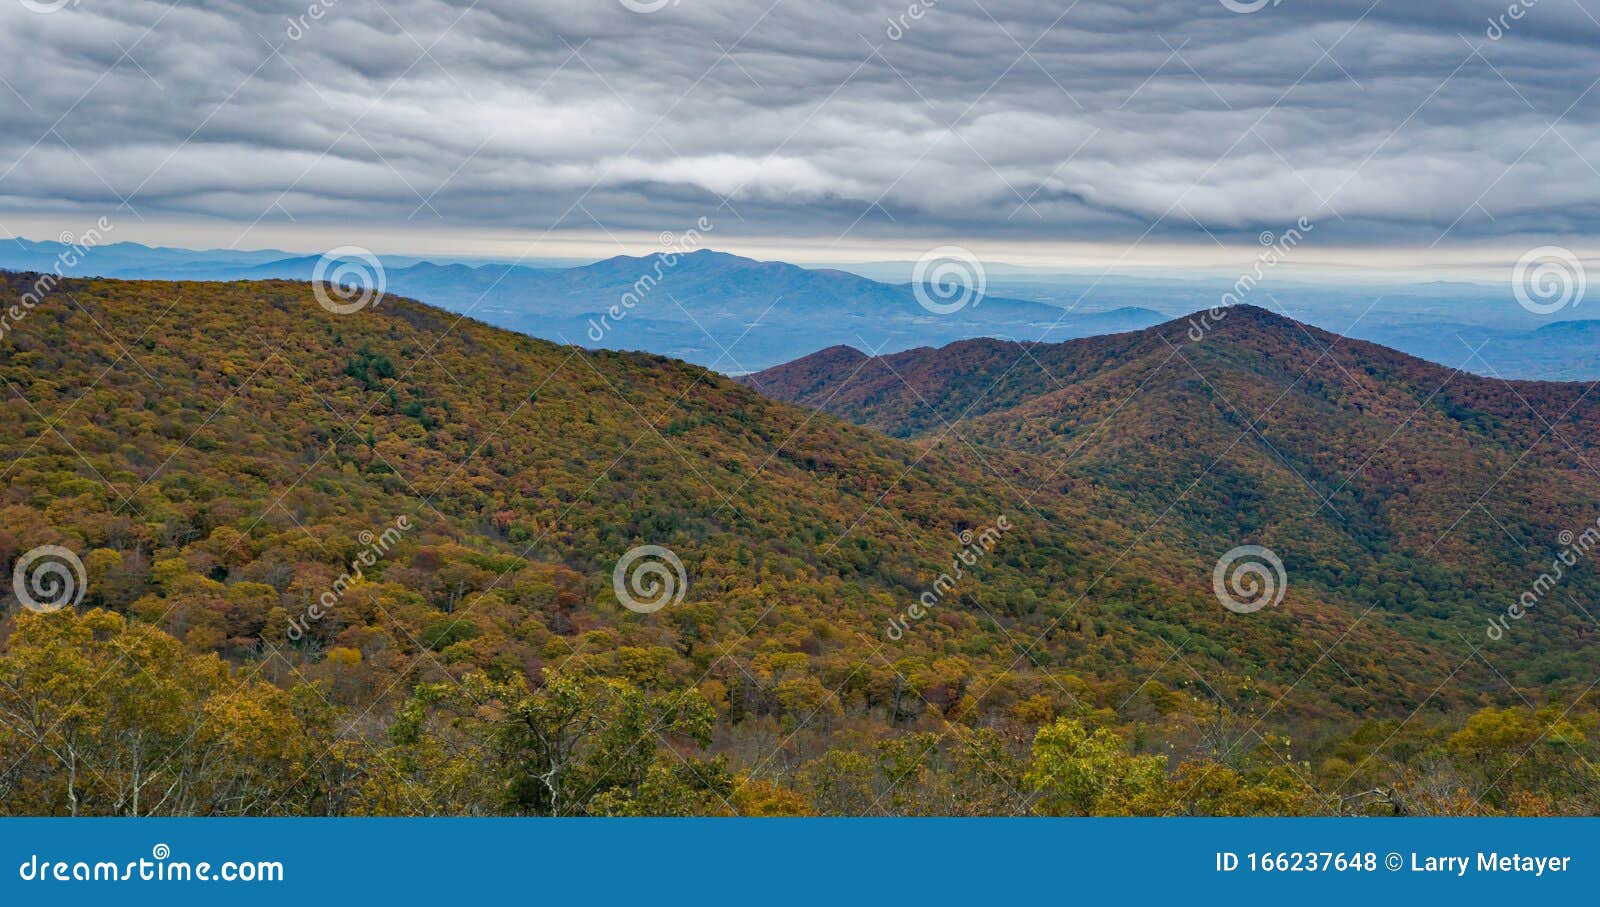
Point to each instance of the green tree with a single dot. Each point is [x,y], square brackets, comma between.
[1079,773]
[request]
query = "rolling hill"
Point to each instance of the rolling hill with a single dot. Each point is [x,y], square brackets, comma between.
[1402,486]
[867,623]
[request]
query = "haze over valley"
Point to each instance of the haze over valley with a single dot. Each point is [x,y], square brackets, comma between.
[737,315]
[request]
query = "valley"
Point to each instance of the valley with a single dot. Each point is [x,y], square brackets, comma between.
[220,455]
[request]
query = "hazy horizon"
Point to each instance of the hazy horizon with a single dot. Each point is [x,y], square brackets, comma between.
[1348,267]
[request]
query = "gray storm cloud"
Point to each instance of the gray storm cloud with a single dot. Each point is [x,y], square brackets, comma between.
[1385,121]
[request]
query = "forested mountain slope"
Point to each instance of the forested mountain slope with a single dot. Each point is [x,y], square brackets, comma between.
[1409,486]
[367,561]
[1421,492]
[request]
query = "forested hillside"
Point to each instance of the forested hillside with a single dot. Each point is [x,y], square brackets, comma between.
[1427,498]
[365,563]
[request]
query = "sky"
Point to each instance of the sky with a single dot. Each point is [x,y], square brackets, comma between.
[1447,136]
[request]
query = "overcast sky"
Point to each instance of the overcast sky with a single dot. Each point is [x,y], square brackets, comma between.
[809,129]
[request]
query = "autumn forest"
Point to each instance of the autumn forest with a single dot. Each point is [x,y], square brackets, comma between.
[363,564]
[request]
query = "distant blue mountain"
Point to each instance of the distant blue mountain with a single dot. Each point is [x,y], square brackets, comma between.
[723,311]
[731,313]
[737,314]
[126,259]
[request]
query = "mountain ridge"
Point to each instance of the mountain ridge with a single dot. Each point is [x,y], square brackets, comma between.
[773,319]
[216,486]
[699,304]
[1271,431]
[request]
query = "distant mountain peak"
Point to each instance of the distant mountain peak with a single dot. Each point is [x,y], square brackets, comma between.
[1571,326]
[840,351]
[897,393]
[1235,321]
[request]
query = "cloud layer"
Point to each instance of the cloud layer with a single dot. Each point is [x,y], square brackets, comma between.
[1387,122]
